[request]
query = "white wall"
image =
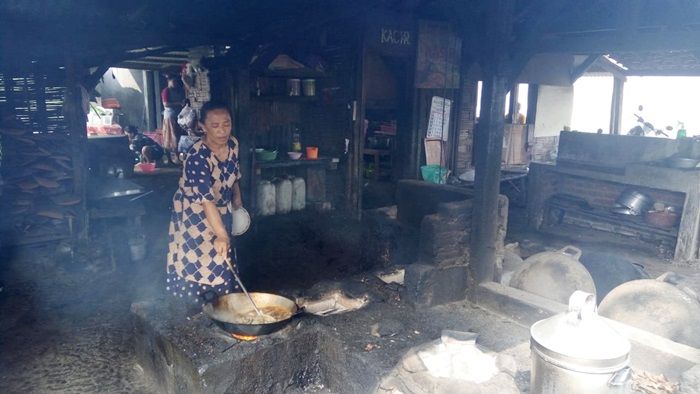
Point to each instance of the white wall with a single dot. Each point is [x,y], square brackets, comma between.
[554,109]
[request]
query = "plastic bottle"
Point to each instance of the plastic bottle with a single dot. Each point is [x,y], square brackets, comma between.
[681,131]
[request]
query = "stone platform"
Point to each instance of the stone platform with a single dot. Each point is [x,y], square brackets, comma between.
[343,353]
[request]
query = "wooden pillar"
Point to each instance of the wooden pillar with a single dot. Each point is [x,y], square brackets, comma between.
[512,105]
[488,151]
[488,148]
[616,105]
[158,102]
[356,171]
[77,127]
[240,92]
[148,100]
[532,94]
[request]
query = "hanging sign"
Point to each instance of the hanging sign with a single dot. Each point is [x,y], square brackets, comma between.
[438,56]
[391,34]
[439,120]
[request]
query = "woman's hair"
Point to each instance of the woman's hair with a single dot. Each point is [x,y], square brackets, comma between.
[212,106]
[131,129]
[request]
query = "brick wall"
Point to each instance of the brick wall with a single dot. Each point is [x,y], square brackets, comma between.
[445,235]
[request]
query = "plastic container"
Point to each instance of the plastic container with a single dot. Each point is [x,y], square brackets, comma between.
[312,152]
[294,87]
[266,199]
[309,87]
[146,167]
[283,195]
[298,194]
[434,174]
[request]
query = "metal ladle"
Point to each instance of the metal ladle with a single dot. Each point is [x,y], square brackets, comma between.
[238,279]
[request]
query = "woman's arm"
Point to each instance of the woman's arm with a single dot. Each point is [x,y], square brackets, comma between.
[222,241]
[237,201]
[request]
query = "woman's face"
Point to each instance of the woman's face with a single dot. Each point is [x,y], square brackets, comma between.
[217,126]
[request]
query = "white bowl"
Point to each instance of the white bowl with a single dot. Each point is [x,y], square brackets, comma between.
[241,221]
[294,155]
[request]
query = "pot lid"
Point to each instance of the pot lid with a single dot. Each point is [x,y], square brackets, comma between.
[580,339]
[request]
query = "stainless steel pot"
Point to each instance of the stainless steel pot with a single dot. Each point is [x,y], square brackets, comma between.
[636,201]
[577,352]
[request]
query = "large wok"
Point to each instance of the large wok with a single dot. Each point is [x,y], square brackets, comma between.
[234,313]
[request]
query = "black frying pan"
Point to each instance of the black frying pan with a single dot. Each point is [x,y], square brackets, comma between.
[232,311]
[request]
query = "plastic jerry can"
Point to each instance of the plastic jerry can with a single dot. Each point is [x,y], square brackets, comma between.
[266,198]
[298,194]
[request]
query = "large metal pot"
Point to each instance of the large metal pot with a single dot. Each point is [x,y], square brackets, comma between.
[577,352]
[635,201]
[554,275]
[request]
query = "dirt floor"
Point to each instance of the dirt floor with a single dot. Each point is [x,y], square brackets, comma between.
[65,325]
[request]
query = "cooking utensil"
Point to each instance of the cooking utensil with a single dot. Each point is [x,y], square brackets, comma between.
[229,313]
[636,201]
[241,221]
[235,275]
[656,306]
[663,219]
[622,211]
[554,275]
[294,155]
[578,352]
[682,162]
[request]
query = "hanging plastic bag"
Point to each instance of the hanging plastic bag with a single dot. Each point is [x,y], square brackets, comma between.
[187,118]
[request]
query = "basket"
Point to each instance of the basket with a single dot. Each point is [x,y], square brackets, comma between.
[434,174]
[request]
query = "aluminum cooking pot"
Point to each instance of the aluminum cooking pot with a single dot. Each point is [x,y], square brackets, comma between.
[577,352]
[635,201]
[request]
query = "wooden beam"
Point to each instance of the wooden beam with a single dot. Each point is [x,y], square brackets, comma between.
[583,67]
[616,41]
[612,68]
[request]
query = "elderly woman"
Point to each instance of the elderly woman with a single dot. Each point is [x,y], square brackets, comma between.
[200,225]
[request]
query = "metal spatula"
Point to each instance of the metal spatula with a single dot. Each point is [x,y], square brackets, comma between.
[235,275]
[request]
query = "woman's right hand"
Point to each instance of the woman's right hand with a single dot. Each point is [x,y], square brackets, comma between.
[222,245]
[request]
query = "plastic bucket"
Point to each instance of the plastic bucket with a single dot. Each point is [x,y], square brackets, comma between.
[434,174]
[312,152]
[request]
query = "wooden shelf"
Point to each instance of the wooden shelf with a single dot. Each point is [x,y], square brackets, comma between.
[285,98]
[282,163]
[295,73]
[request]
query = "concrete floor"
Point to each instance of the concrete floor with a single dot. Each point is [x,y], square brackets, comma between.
[65,328]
